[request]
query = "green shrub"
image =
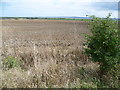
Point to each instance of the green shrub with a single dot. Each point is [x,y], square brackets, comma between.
[16,18]
[10,62]
[103,45]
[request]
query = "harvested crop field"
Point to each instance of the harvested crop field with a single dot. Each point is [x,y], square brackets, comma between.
[49,53]
[49,31]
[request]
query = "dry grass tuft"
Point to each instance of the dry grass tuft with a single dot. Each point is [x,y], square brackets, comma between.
[47,67]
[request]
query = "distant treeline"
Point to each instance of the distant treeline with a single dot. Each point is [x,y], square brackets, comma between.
[17,18]
[52,18]
[35,18]
[20,17]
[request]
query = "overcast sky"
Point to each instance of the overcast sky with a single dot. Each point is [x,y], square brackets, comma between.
[37,8]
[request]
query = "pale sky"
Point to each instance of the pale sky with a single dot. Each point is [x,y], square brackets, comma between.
[44,8]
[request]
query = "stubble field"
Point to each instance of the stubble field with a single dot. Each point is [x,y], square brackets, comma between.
[49,53]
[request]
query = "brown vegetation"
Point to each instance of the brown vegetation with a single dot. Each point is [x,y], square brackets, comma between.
[50,53]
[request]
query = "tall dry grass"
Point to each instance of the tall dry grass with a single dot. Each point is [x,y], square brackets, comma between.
[43,65]
[49,52]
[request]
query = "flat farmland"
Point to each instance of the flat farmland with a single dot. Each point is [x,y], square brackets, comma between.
[49,53]
[49,31]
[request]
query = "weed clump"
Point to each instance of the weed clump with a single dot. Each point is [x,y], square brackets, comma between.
[10,62]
